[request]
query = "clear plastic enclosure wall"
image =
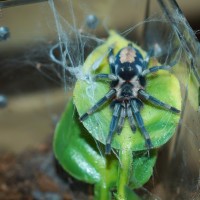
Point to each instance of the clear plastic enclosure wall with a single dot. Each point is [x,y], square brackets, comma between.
[48,44]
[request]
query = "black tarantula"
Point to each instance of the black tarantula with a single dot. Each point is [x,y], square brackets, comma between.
[128,71]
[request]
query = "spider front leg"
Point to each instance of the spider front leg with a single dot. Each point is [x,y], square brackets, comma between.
[111,60]
[121,119]
[139,120]
[156,102]
[108,96]
[113,126]
[130,118]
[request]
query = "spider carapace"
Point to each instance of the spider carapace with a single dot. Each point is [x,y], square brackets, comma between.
[127,92]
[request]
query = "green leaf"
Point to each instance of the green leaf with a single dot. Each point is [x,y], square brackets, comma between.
[160,124]
[78,154]
[77,151]
[143,163]
[129,194]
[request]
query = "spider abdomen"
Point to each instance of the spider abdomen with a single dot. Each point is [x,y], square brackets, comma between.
[128,63]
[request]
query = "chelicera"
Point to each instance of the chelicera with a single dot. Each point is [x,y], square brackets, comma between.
[127,91]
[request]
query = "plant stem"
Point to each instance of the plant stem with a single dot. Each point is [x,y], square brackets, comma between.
[101,192]
[124,172]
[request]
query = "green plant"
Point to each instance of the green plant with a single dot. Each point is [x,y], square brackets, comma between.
[80,149]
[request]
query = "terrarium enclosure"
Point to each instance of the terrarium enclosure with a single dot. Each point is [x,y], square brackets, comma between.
[41,58]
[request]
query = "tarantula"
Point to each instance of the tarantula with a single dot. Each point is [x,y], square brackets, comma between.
[128,71]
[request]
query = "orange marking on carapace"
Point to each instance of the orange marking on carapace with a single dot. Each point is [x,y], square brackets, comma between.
[127,55]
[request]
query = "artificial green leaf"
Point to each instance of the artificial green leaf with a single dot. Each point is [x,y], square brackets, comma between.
[160,124]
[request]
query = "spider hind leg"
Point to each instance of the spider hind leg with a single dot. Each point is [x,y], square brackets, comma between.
[111,60]
[157,102]
[121,120]
[130,118]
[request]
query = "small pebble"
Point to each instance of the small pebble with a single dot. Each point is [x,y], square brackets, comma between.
[92,21]
[4,33]
[3,101]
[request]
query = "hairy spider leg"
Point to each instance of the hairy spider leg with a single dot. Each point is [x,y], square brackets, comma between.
[121,121]
[147,58]
[111,60]
[139,120]
[157,68]
[157,102]
[107,96]
[130,117]
[113,126]
[110,77]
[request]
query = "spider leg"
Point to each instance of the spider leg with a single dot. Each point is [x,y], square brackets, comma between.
[139,120]
[121,121]
[108,96]
[113,126]
[130,117]
[147,58]
[157,102]
[157,68]
[111,60]
[111,77]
